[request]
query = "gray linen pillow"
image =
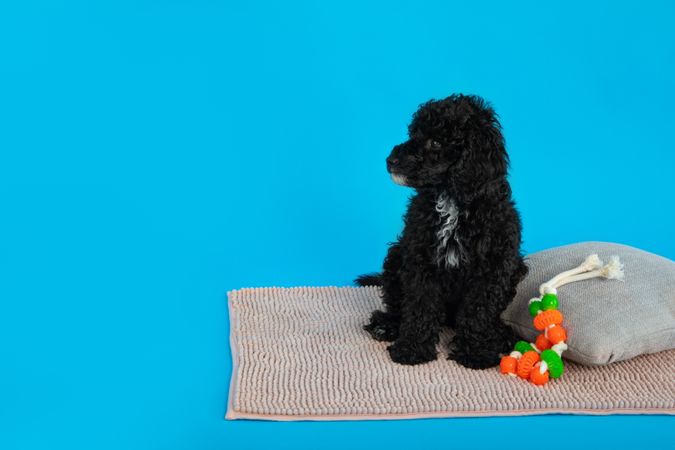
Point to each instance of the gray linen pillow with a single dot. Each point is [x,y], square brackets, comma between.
[606,320]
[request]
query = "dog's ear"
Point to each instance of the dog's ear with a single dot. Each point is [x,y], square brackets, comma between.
[484,141]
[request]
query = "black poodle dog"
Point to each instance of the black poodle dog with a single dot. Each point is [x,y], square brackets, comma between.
[457,261]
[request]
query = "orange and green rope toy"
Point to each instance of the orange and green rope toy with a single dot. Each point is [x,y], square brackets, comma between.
[542,360]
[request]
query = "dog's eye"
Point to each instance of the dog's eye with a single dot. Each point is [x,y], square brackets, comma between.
[434,144]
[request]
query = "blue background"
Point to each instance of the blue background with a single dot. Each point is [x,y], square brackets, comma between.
[155,154]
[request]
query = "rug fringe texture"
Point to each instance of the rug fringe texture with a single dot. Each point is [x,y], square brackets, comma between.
[302,354]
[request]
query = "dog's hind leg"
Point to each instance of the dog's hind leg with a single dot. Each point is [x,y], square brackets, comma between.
[384,325]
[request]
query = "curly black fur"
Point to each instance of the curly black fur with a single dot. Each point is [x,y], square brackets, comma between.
[457,261]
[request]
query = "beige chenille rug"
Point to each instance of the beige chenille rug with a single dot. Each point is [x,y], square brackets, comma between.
[301,354]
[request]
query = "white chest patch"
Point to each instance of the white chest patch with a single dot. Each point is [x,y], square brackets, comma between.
[448,248]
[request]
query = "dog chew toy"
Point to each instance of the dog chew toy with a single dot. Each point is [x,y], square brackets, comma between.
[542,360]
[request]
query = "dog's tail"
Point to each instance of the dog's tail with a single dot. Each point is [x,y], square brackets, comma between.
[369,279]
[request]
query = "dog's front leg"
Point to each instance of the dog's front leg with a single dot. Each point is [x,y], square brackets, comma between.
[422,313]
[481,336]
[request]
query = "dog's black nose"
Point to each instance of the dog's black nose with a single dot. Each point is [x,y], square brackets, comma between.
[391,162]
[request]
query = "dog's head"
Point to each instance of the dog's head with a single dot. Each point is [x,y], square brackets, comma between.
[454,141]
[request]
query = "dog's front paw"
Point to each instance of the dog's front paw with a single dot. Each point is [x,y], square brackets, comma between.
[477,360]
[475,354]
[404,352]
[383,326]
